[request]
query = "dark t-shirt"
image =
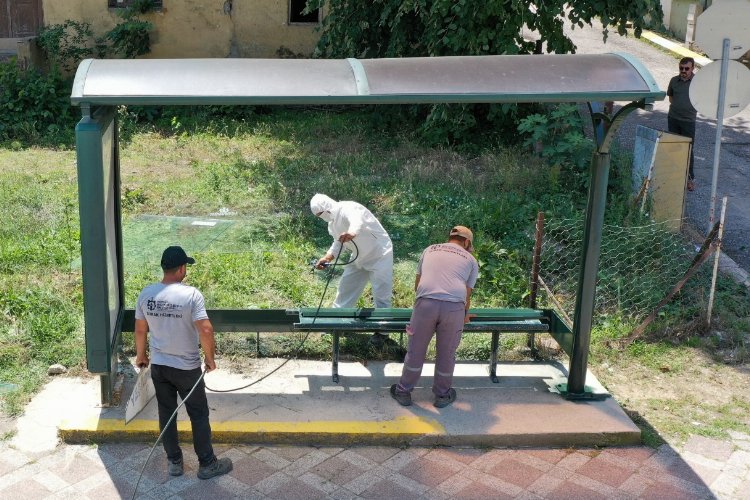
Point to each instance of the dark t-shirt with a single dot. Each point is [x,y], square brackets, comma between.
[680,108]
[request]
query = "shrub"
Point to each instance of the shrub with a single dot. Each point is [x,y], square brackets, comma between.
[34,105]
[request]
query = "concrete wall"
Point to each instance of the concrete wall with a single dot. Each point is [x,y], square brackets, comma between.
[202,28]
[678,16]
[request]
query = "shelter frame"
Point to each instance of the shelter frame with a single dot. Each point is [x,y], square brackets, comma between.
[101,85]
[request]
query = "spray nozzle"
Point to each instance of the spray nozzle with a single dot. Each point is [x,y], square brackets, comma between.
[314,264]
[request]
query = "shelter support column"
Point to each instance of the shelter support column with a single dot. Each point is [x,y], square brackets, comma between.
[592,240]
[101,242]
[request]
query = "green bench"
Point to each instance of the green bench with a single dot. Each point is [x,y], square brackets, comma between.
[390,320]
[393,320]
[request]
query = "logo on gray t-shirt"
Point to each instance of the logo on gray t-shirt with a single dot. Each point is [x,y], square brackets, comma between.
[171,311]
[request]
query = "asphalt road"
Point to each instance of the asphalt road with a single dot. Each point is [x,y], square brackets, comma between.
[733,181]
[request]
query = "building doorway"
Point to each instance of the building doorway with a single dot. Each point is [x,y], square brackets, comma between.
[20,18]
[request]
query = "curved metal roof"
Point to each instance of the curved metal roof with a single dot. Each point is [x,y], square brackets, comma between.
[469,79]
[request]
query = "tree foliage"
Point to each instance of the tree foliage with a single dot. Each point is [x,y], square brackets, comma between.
[412,28]
[418,28]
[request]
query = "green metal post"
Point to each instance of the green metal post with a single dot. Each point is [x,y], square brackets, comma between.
[592,240]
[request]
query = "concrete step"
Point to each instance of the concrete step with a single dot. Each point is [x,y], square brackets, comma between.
[300,405]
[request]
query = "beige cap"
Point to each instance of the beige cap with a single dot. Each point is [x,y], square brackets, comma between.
[464,232]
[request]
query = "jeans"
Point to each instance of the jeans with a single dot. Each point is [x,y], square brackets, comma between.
[168,382]
[687,129]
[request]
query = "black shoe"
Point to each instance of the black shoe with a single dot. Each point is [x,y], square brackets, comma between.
[403,398]
[176,468]
[443,401]
[217,468]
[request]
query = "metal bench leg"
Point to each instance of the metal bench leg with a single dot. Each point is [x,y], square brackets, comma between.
[493,359]
[531,343]
[335,358]
[257,344]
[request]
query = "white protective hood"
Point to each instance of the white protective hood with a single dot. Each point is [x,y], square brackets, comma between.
[372,240]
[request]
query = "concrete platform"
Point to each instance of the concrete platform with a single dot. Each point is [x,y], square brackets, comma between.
[301,405]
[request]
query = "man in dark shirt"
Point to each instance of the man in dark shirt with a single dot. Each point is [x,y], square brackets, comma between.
[681,117]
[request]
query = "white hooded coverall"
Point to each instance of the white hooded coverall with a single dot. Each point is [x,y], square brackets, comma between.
[373,255]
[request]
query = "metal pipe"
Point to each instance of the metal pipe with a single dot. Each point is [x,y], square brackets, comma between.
[592,239]
[534,286]
[719,126]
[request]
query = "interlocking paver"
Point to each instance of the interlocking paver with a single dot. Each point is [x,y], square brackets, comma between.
[270,458]
[573,491]
[573,461]
[743,490]
[739,458]
[319,483]
[250,470]
[480,492]
[544,485]
[465,456]
[726,483]
[404,457]
[377,454]
[29,489]
[305,462]
[295,489]
[515,472]
[337,471]
[636,455]
[364,482]
[220,487]
[663,491]
[51,481]
[711,448]
[272,482]
[706,473]
[606,472]
[494,482]
[343,494]
[428,472]
[389,489]
[635,485]
[552,456]
[262,472]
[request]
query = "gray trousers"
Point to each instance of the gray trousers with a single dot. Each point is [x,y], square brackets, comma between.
[446,320]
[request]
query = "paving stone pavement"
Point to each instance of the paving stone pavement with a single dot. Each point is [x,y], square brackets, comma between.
[705,468]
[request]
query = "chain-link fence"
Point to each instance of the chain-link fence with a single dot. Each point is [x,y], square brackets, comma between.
[638,267]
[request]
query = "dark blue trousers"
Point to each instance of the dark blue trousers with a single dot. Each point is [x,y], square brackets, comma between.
[169,382]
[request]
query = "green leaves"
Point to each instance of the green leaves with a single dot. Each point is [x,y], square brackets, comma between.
[31,102]
[419,28]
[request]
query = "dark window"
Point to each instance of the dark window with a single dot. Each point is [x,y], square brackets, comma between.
[296,16]
[118,4]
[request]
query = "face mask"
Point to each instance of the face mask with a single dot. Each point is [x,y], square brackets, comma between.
[326,216]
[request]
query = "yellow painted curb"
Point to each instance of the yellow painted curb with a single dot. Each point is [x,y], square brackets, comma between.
[678,49]
[94,428]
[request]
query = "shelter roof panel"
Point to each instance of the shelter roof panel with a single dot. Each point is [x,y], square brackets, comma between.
[519,78]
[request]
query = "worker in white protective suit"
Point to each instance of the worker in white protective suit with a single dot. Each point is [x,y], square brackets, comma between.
[372,257]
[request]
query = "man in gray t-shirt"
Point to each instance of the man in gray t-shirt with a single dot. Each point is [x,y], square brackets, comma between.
[682,114]
[175,315]
[446,276]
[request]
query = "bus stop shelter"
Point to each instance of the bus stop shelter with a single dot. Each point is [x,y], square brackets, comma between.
[102,85]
